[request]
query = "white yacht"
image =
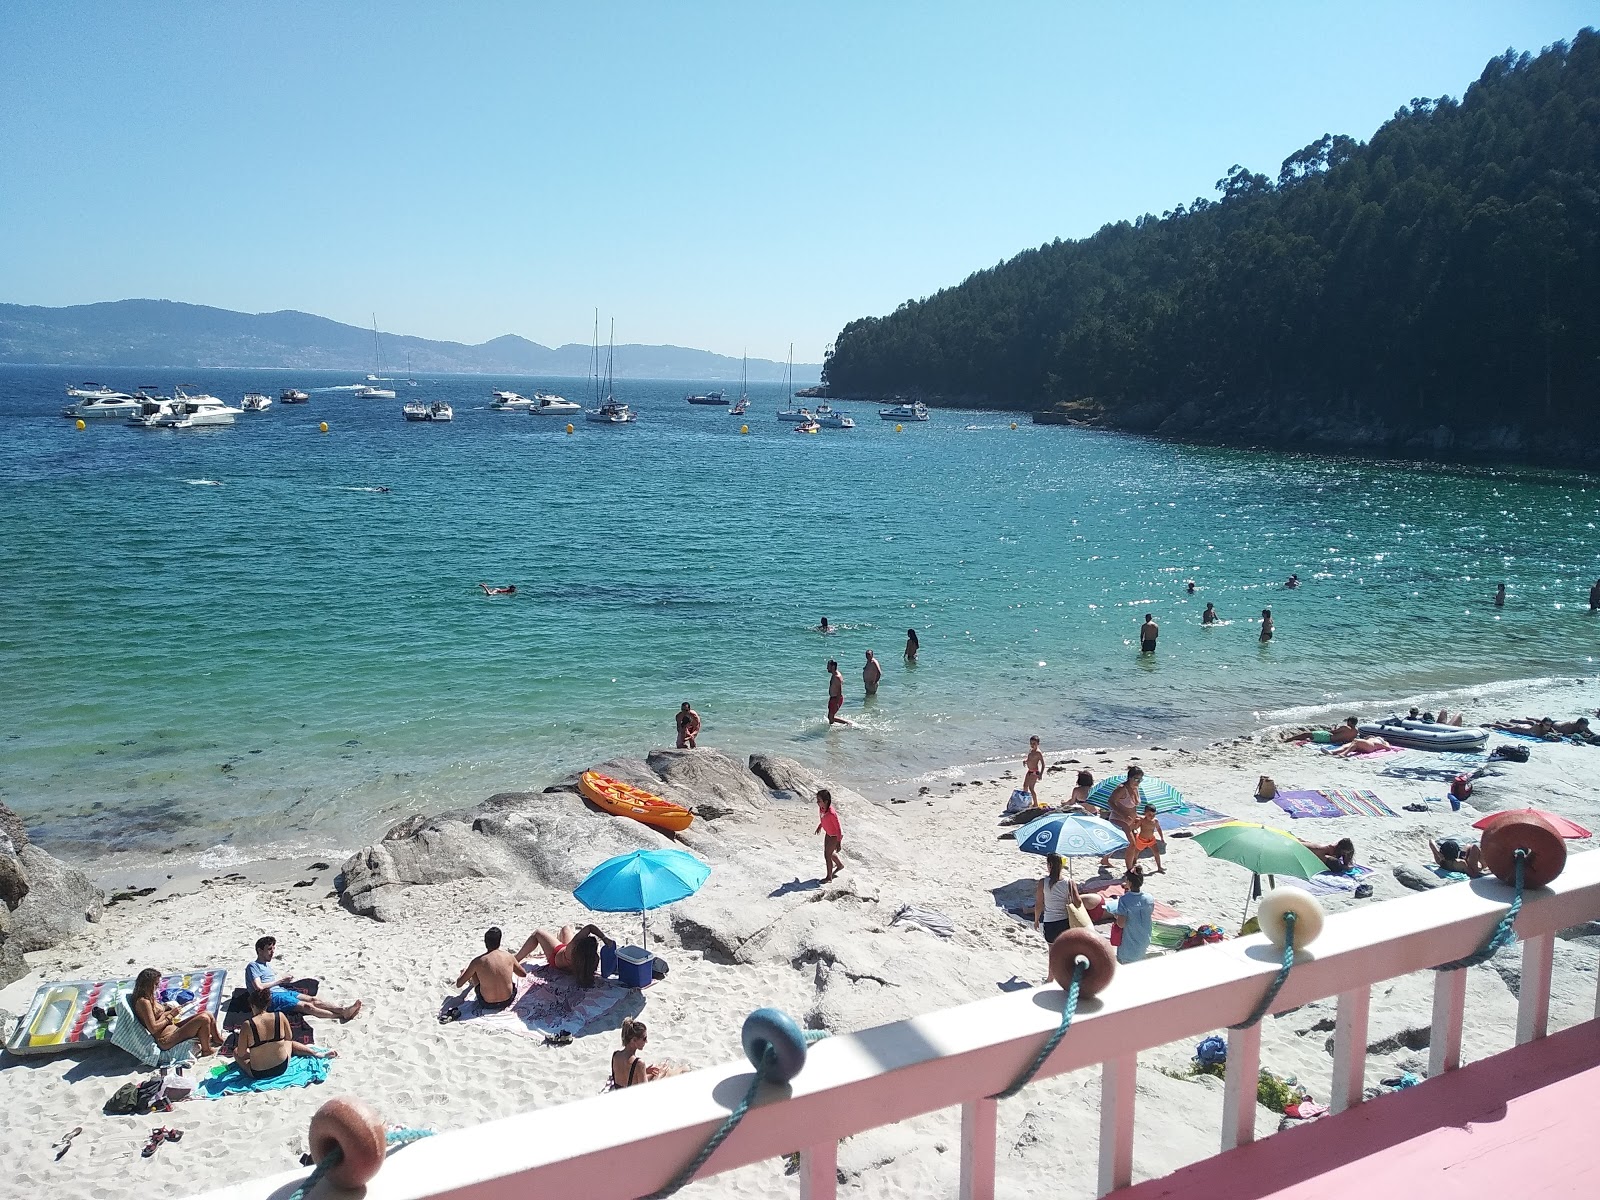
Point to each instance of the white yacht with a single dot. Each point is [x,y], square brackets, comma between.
[373,392]
[415,410]
[152,407]
[510,402]
[913,410]
[293,396]
[95,391]
[256,402]
[196,411]
[114,405]
[795,414]
[831,418]
[546,405]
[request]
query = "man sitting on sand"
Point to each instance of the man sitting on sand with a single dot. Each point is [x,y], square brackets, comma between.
[494,973]
[1338,857]
[577,953]
[1342,735]
[1448,856]
[259,977]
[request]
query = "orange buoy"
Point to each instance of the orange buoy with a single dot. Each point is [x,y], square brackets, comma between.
[356,1129]
[1513,831]
[1074,944]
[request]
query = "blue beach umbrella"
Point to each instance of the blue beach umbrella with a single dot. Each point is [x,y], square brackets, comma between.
[641,881]
[1164,796]
[1071,835]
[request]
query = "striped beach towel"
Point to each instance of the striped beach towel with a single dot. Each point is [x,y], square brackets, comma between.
[1358,802]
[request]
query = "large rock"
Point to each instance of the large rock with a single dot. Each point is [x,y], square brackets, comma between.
[1417,877]
[46,901]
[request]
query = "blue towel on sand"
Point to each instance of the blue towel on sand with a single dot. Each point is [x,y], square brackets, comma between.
[303,1072]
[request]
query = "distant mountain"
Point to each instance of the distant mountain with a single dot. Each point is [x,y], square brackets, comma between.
[164,333]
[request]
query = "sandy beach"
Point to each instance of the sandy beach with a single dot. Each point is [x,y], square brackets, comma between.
[763,931]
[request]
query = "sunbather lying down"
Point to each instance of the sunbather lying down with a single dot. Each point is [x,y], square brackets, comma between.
[577,952]
[1362,745]
[1449,856]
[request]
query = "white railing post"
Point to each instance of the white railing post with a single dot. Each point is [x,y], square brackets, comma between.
[1533,996]
[1449,1009]
[819,1171]
[1118,1079]
[1350,1048]
[977,1148]
[1239,1087]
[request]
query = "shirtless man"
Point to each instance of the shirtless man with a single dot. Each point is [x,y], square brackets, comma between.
[1346,733]
[688,726]
[494,973]
[1148,632]
[1500,596]
[835,694]
[871,673]
[1209,617]
[1033,770]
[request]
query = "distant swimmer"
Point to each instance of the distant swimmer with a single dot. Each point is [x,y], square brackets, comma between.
[1292,582]
[871,673]
[912,646]
[823,626]
[1500,596]
[1209,617]
[1148,633]
[509,590]
[1594,597]
[1190,587]
[688,726]
[1266,625]
[835,694]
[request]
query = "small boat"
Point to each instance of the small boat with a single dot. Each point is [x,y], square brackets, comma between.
[152,407]
[611,411]
[1425,735]
[743,402]
[256,402]
[293,396]
[376,376]
[796,416]
[914,410]
[374,393]
[830,418]
[808,427]
[196,410]
[416,410]
[547,405]
[440,411]
[114,405]
[510,402]
[624,800]
[95,391]
[740,407]
[715,398]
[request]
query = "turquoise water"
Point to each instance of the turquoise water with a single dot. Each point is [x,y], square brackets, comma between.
[289,660]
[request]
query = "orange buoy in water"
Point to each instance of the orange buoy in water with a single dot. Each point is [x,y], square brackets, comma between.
[569,426]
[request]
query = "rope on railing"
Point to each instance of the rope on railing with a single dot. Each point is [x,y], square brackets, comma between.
[769,1061]
[1260,1010]
[1068,1011]
[1503,932]
[335,1156]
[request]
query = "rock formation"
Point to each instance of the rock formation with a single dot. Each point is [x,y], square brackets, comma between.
[44,900]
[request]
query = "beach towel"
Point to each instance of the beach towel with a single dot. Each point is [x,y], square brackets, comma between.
[548,1002]
[924,918]
[1381,752]
[303,1071]
[1358,802]
[237,1011]
[1190,814]
[1110,891]
[1451,876]
[1332,802]
[1327,883]
[1306,803]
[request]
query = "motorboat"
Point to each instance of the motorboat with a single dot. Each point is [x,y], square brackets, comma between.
[913,410]
[416,410]
[440,411]
[293,396]
[796,416]
[372,392]
[612,412]
[510,402]
[546,405]
[740,407]
[808,427]
[715,398]
[1425,735]
[830,418]
[96,391]
[114,405]
[196,411]
[256,402]
[152,407]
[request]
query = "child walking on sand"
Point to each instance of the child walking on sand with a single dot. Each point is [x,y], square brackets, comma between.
[832,834]
[1146,836]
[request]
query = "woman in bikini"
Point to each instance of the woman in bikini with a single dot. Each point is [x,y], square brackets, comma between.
[1033,770]
[161,1020]
[266,1042]
[627,1068]
[577,953]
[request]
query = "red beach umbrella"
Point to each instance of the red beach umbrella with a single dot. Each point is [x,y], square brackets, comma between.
[1567,829]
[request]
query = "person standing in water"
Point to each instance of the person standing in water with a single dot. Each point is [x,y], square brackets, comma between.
[823,626]
[870,674]
[1148,633]
[1594,597]
[1209,617]
[1033,770]
[1500,596]
[832,834]
[688,726]
[1190,587]
[1266,625]
[835,694]
[912,646]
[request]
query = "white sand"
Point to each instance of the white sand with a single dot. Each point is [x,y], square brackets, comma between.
[829,955]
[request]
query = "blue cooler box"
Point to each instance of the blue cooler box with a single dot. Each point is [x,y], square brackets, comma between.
[635,967]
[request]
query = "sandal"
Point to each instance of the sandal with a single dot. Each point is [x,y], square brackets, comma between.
[65,1143]
[157,1136]
[561,1039]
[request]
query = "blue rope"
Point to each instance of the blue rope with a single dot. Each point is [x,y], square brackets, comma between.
[1503,933]
[1260,1010]
[731,1123]
[1079,969]
[394,1137]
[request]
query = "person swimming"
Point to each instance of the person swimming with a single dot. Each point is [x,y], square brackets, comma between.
[823,626]
[1292,582]
[1209,617]
[510,589]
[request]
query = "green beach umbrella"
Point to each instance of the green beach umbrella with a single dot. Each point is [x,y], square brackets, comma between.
[1259,849]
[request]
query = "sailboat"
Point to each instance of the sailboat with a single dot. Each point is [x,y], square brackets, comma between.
[795,416]
[410,380]
[743,402]
[609,410]
[372,391]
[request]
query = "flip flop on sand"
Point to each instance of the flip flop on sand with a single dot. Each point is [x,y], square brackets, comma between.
[65,1143]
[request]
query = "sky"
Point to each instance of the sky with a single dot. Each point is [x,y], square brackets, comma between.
[727,176]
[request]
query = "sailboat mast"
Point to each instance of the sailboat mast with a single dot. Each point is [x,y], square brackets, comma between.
[377,349]
[611,350]
[594,359]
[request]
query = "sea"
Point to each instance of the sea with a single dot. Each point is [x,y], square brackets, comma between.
[267,638]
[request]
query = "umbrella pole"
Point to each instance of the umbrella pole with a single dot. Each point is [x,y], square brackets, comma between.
[644,930]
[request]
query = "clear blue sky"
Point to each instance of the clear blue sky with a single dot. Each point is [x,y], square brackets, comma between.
[717,175]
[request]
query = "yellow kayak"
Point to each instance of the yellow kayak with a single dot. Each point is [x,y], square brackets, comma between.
[625,800]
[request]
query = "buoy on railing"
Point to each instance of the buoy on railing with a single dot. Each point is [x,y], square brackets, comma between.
[1083,964]
[1521,850]
[1290,918]
[776,1047]
[348,1142]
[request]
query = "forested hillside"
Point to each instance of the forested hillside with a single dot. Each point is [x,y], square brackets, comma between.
[1436,288]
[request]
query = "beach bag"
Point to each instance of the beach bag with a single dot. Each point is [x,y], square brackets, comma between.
[177,1085]
[1265,788]
[124,1101]
[1019,801]
[1510,753]
[1078,916]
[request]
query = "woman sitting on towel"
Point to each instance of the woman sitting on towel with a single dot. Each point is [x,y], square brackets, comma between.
[627,1068]
[577,953]
[161,1020]
[266,1042]
[1338,857]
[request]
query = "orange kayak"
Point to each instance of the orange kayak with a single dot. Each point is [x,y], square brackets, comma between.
[625,800]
